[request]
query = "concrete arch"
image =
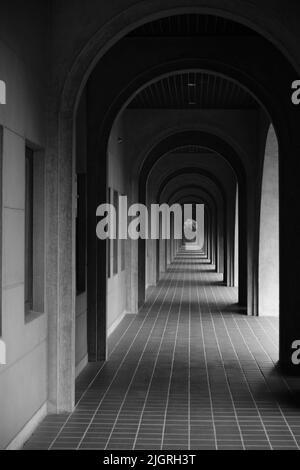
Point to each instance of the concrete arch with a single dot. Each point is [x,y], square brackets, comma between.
[198,182]
[164,248]
[153,158]
[210,236]
[188,193]
[203,183]
[124,94]
[211,128]
[216,144]
[192,170]
[268,264]
[60,250]
[181,139]
[153,248]
[211,203]
[193,189]
[208,247]
[263,20]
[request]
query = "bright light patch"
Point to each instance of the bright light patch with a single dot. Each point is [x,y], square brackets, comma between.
[2,92]
[2,353]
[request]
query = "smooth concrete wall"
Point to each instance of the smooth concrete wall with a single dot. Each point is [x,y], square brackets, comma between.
[81,348]
[236,241]
[76,22]
[23,381]
[81,344]
[269,231]
[151,272]
[116,289]
[145,128]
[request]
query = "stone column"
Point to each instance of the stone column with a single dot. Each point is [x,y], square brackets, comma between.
[289,229]
[269,231]
[60,260]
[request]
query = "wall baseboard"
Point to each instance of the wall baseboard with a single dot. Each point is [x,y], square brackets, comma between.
[116,323]
[23,436]
[81,365]
[84,362]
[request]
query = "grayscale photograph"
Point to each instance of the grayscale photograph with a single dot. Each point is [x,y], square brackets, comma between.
[149,231]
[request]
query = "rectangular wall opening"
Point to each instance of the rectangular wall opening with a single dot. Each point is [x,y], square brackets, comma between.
[81,225]
[34,233]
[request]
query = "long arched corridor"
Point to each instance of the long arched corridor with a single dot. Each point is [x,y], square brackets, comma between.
[188,372]
[149,235]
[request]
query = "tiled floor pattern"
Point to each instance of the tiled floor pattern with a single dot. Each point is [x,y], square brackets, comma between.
[188,372]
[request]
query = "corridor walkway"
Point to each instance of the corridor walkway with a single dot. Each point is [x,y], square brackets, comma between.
[188,372]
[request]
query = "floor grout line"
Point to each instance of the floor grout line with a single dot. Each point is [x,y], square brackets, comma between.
[118,370]
[264,378]
[207,372]
[154,366]
[171,370]
[185,373]
[120,365]
[247,382]
[226,377]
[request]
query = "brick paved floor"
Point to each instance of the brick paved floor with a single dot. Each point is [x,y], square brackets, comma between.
[188,372]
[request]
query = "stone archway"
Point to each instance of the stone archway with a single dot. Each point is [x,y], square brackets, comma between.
[60,191]
[216,144]
[269,231]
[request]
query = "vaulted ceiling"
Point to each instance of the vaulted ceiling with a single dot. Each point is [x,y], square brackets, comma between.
[194,90]
[192,25]
[188,149]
